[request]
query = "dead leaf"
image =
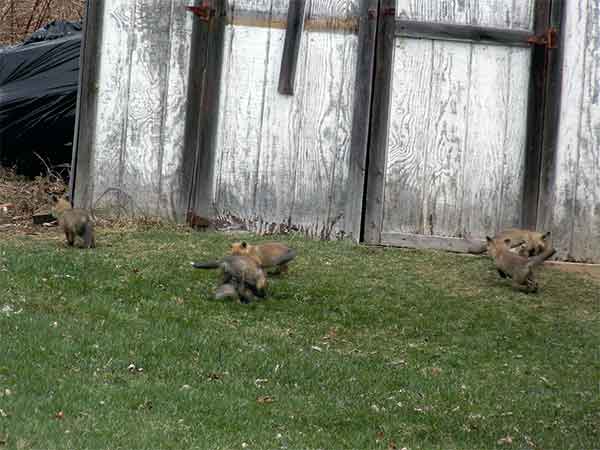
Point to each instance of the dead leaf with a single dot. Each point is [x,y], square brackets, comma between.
[508,440]
[392,446]
[317,349]
[435,371]
[265,399]
[213,376]
[59,415]
[379,436]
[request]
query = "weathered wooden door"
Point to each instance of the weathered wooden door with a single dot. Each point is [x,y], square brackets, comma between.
[452,152]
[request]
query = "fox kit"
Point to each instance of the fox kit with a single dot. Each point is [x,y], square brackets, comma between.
[524,242]
[270,254]
[533,242]
[514,266]
[74,222]
[241,276]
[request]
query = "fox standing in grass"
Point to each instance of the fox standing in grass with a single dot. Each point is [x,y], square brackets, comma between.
[514,266]
[74,222]
[267,255]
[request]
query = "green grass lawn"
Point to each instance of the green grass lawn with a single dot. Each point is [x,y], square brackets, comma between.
[356,348]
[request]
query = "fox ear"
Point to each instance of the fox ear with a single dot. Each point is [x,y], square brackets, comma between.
[546,235]
[244,245]
[507,241]
[489,239]
[53,198]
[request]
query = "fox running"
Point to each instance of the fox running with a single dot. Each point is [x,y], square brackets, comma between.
[242,277]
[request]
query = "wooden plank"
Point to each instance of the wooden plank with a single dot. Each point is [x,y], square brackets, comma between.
[419,241]
[585,240]
[280,135]
[142,148]
[445,139]
[173,195]
[535,118]
[359,140]
[564,206]
[483,164]
[113,100]
[289,59]
[463,33]
[201,202]
[80,187]
[552,121]
[515,138]
[191,136]
[408,136]
[321,151]
[240,115]
[379,125]
[497,13]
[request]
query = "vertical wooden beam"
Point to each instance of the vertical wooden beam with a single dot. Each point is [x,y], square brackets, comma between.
[551,119]
[80,188]
[361,118]
[201,129]
[291,47]
[535,116]
[377,153]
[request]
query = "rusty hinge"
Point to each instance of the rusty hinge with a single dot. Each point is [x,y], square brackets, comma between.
[549,38]
[204,11]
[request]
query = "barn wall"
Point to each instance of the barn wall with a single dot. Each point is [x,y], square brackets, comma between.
[456,142]
[283,160]
[136,149]
[572,208]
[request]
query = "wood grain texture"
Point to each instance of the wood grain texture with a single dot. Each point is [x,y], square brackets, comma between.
[361,119]
[87,107]
[576,199]
[113,95]
[172,193]
[142,91]
[444,145]
[281,160]
[456,140]
[492,13]
[142,155]
[408,134]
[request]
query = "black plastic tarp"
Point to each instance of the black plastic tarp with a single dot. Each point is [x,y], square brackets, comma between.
[38,95]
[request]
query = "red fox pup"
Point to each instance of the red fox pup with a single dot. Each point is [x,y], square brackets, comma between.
[524,242]
[74,222]
[242,276]
[270,254]
[514,266]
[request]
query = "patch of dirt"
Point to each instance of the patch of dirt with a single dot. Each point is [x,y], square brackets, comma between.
[588,270]
[21,198]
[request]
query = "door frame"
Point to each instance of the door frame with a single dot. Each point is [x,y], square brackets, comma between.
[379,27]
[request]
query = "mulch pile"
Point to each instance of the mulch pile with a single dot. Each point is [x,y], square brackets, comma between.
[21,198]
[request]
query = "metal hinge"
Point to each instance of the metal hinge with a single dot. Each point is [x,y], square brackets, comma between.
[548,39]
[204,11]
